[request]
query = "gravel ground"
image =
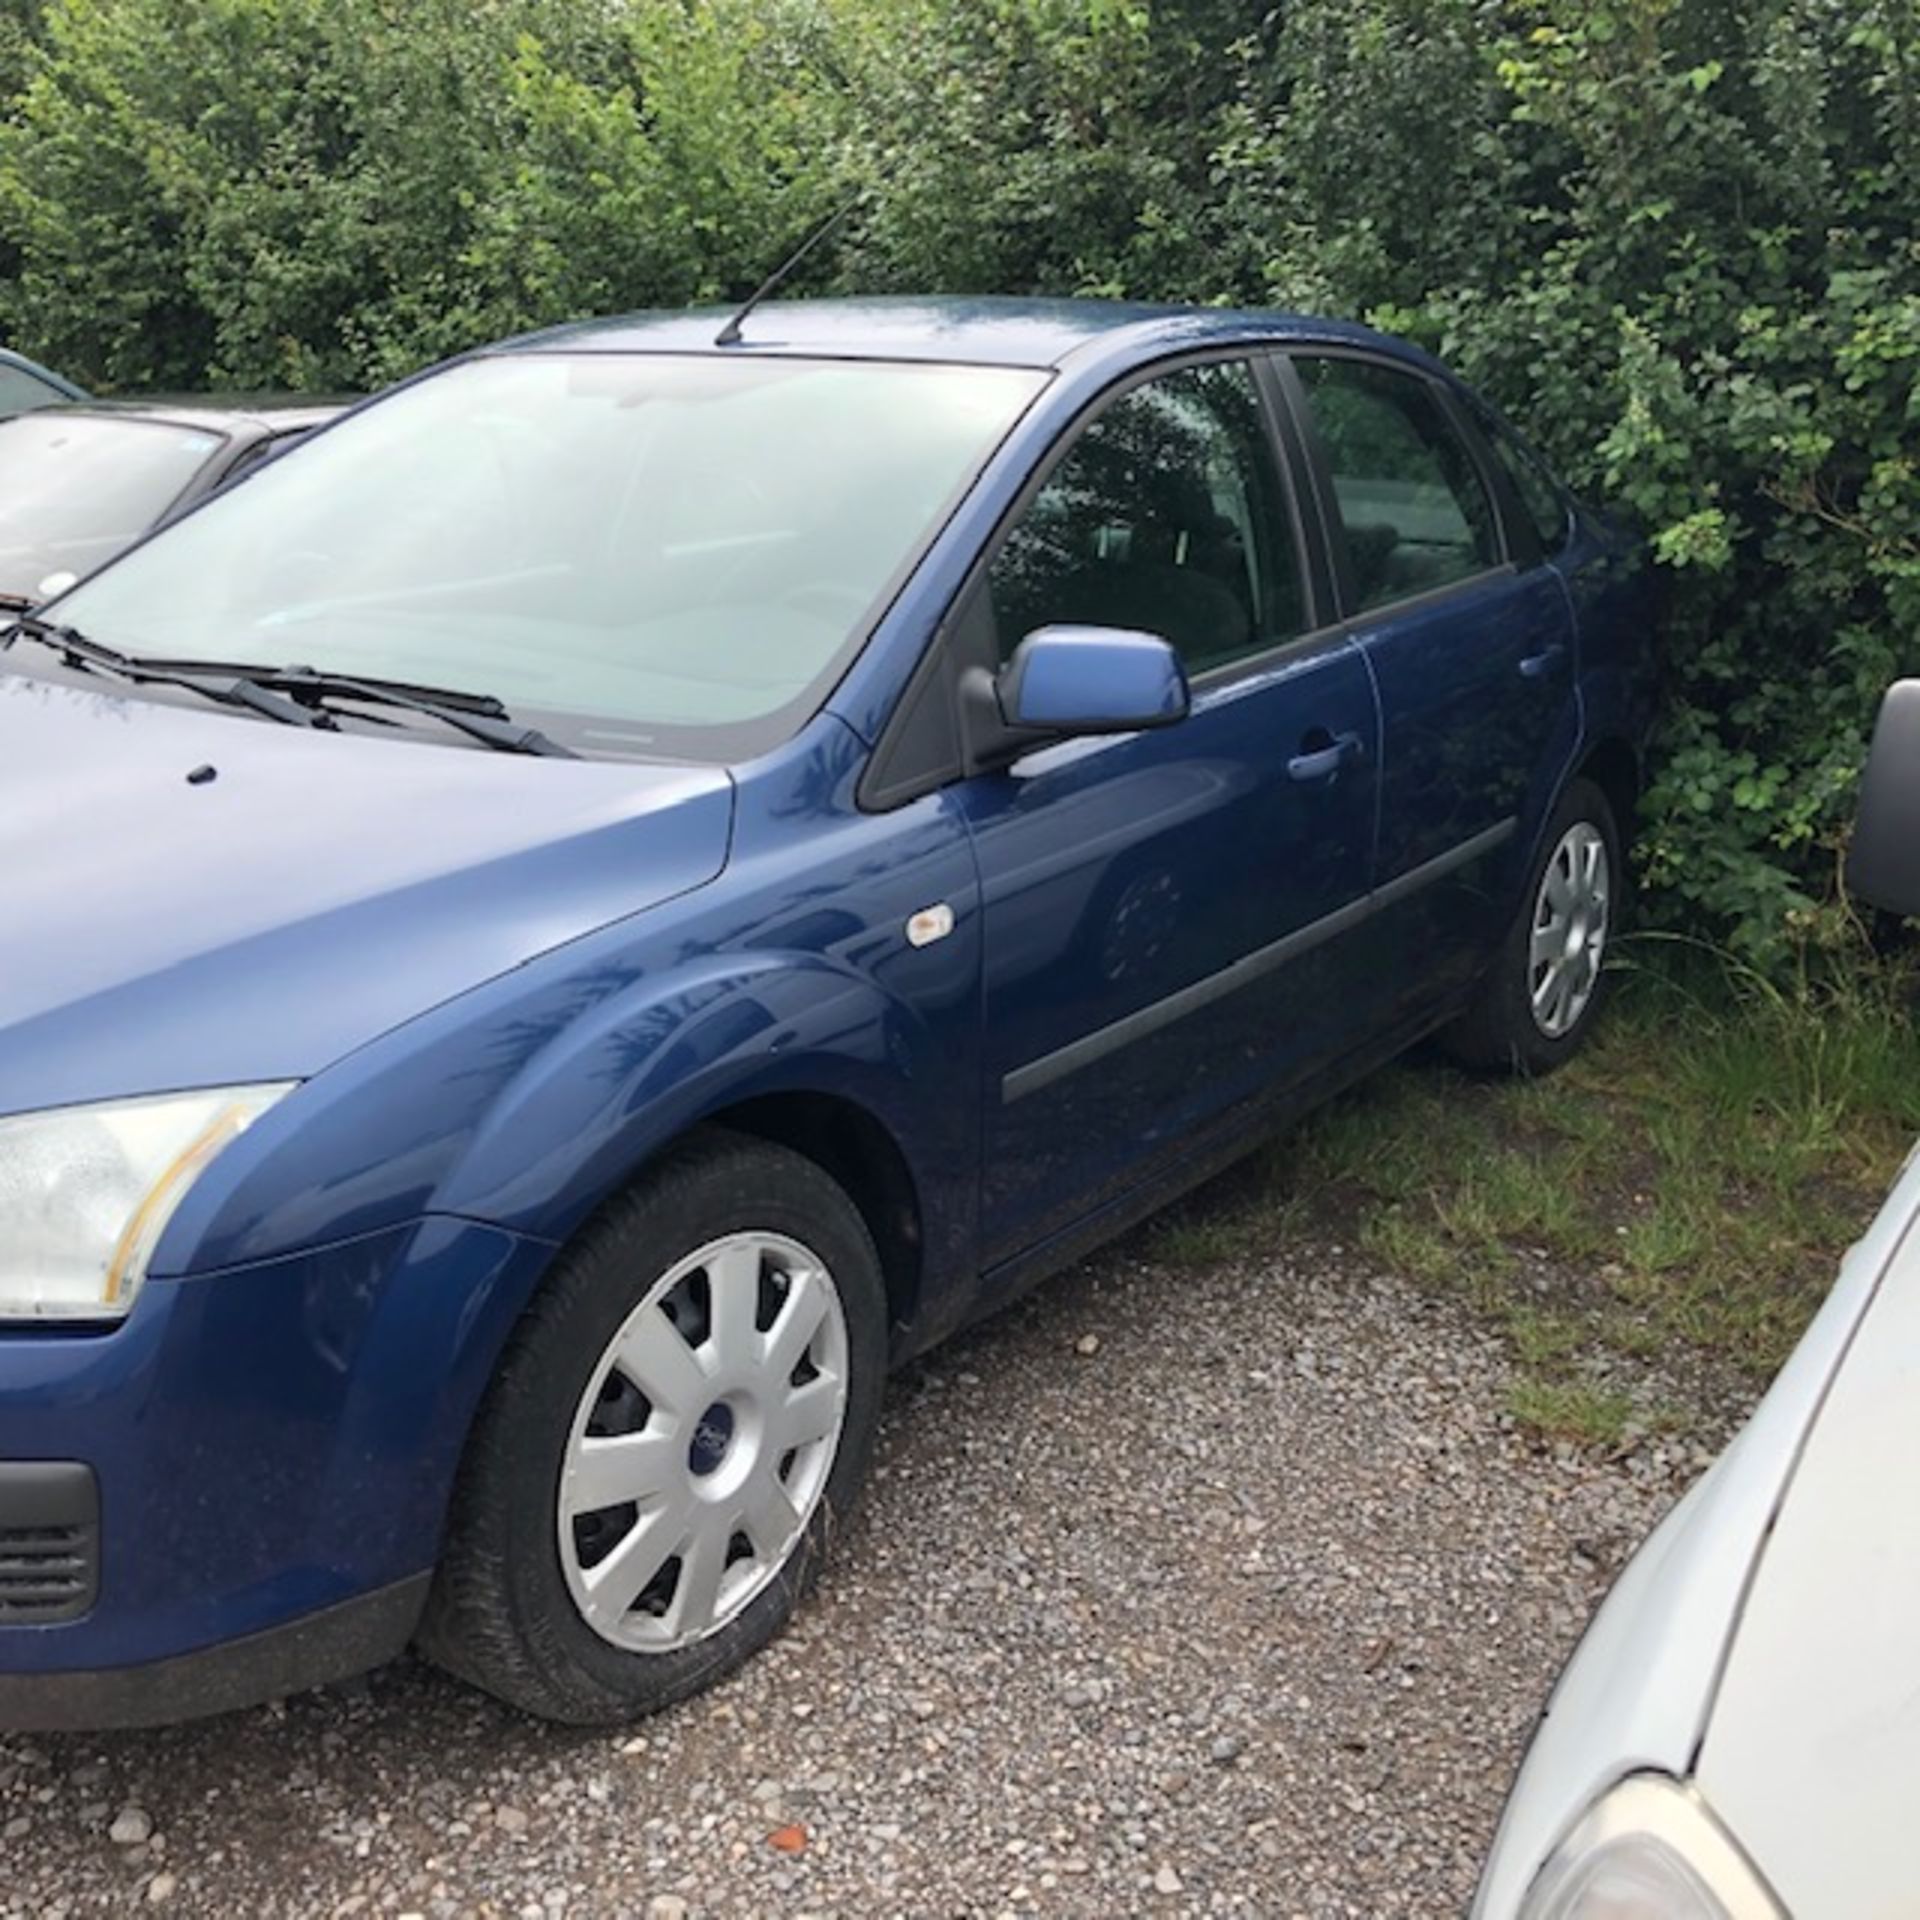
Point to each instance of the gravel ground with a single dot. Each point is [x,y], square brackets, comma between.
[1174,1593]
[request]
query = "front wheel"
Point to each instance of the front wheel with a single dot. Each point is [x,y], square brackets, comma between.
[1548,981]
[685,1412]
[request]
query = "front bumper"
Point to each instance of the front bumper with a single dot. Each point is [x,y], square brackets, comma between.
[273,1447]
[329,1645]
[49,1541]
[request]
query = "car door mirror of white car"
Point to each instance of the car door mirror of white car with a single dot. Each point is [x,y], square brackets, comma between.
[1883,864]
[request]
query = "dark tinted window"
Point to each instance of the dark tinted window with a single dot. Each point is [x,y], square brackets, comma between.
[1412,502]
[1166,516]
[1540,496]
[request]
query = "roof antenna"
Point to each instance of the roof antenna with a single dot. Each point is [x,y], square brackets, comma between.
[729,335]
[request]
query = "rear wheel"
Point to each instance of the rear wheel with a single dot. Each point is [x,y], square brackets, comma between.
[1548,982]
[686,1411]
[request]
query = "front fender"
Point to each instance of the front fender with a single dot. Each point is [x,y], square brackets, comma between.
[534,1098]
[646,1065]
[535,1095]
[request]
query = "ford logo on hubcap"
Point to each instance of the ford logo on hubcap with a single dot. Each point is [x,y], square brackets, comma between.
[711,1438]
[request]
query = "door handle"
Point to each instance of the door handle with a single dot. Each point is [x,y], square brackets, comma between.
[1536,666]
[1317,762]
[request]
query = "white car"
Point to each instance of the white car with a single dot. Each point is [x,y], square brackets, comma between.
[1738,1736]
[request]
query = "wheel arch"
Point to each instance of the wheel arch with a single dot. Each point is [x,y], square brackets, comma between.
[1614,766]
[856,1150]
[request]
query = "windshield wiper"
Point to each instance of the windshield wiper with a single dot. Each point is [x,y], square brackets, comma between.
[230,689]
[478,715]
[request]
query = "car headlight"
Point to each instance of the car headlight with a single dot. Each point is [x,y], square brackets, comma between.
[85,1193]
[1648,1849]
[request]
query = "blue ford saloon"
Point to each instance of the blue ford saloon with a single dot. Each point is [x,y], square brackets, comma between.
[654,871]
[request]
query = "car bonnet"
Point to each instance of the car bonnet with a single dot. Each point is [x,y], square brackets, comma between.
[1812,1753]
[196,899]
[1640,1689]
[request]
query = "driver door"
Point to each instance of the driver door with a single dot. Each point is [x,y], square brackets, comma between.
[1164,913]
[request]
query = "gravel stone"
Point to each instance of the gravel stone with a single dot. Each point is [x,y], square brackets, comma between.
[1249,1618]
[132,1827]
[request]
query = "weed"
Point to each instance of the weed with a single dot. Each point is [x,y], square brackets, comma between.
[1691,1178]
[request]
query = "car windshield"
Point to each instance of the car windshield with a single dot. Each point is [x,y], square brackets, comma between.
[644,554]
[77,487]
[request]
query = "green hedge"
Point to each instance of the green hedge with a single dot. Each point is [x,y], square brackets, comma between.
[1677,239]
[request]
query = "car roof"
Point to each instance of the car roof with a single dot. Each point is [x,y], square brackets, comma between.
[965,330]
[249,413]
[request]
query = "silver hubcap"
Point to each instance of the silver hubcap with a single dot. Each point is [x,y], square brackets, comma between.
[1570,919]
[703,1442]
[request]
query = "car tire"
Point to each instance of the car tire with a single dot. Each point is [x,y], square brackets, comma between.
[1539,1000]
[643,1318]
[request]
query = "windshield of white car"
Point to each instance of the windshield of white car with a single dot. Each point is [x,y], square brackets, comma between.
[77,487]
[648,555]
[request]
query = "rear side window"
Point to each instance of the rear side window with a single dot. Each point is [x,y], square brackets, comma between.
[1540,495]
[1411,501]
[1166,516]
[20,391]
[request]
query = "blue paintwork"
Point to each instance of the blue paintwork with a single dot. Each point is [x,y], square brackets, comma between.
[241,893]
[973,332]
[1073,680]
[1116,872]
[1475,738]
[506,983]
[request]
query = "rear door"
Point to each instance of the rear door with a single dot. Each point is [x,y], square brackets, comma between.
[1470,642]
[1165,913]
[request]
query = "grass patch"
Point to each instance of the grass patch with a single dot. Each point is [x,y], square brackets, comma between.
[1572,1410]
[1689,1181]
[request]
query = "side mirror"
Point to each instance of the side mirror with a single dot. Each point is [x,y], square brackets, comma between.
[1883,864]
[1086,680]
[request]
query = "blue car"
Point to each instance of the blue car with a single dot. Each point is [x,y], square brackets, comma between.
[640,879]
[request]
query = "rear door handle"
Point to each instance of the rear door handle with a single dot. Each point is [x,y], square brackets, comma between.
[1323,762]
[1536,666]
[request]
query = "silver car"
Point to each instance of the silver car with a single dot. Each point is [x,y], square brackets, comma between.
[81,481]
[1738,1736]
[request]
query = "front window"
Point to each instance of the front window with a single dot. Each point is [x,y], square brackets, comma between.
[77,487]
[642,554]
[1167,516]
